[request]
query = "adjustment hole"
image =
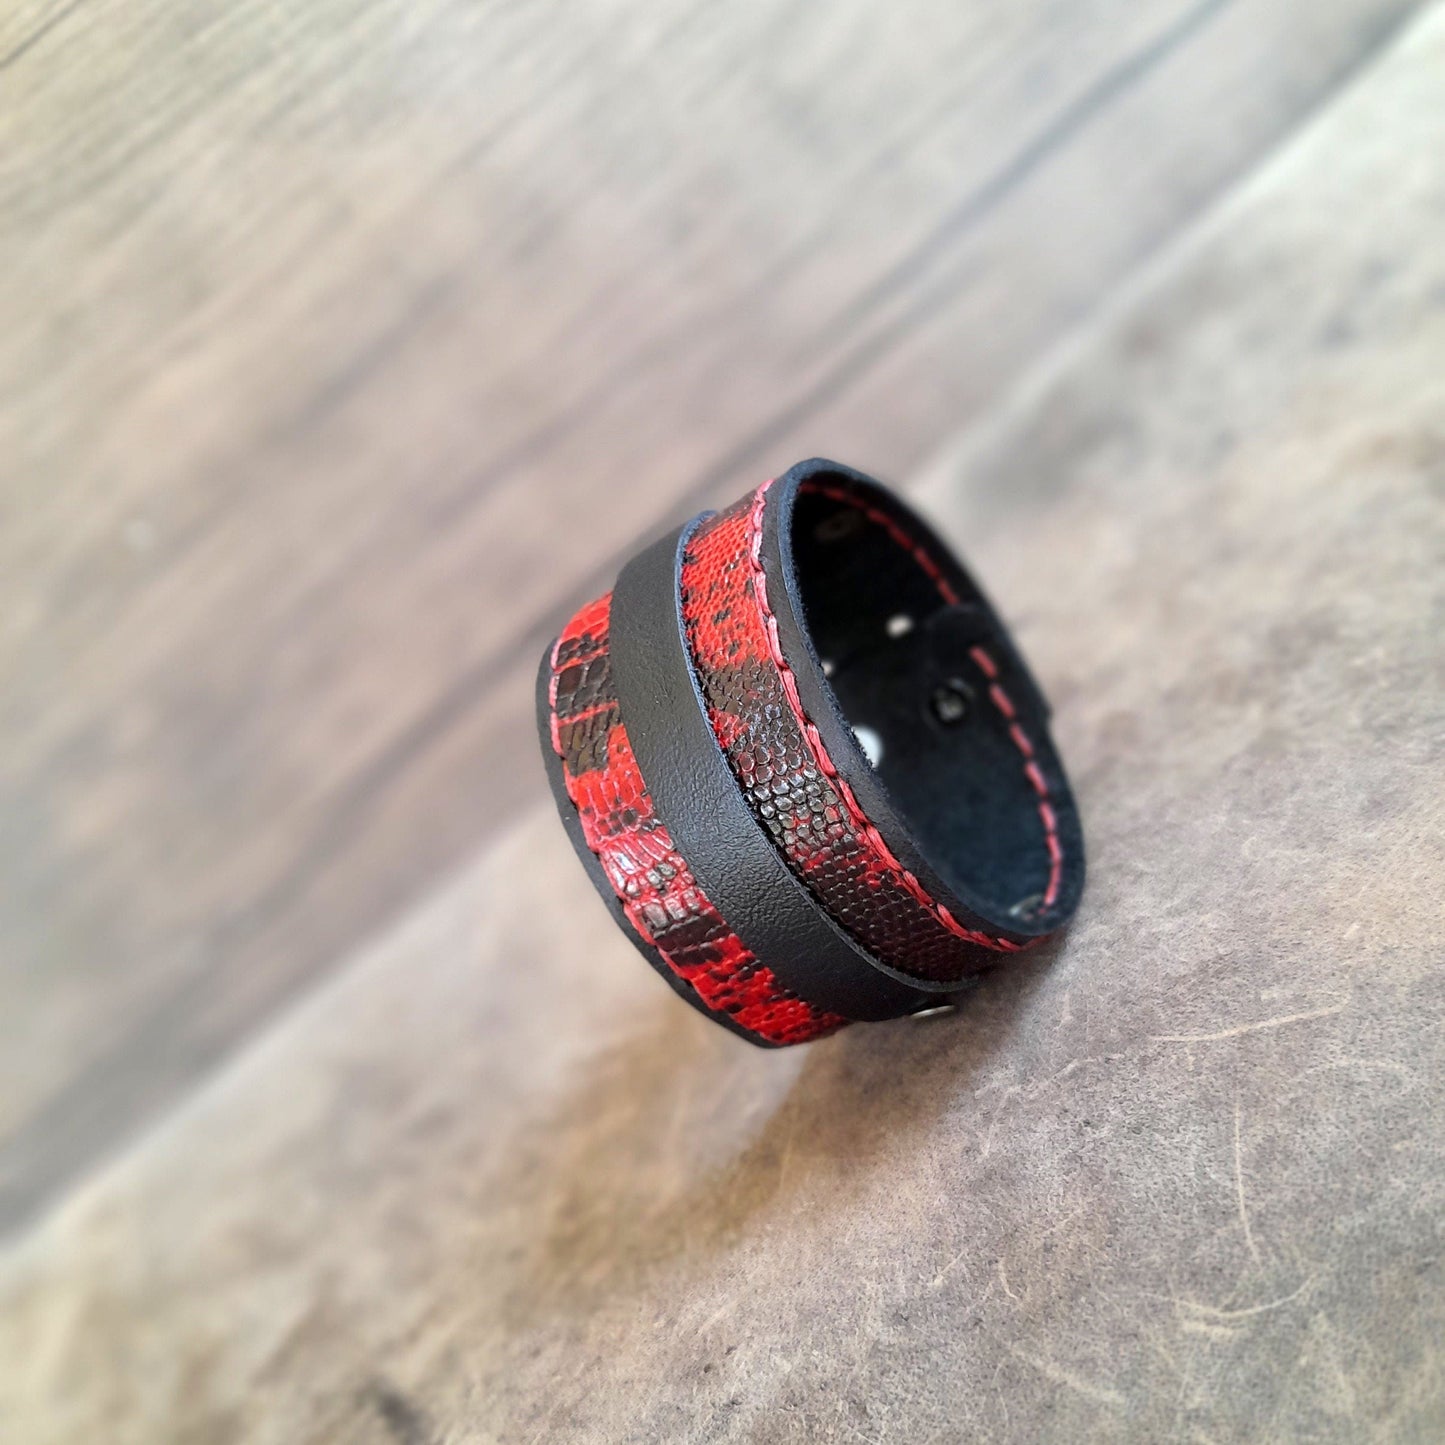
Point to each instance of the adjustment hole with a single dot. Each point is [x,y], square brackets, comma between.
[950,702]
[900,625]
[871,744]
[841,525]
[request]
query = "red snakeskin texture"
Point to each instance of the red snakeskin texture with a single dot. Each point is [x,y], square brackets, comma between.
[651,879]
[783,768]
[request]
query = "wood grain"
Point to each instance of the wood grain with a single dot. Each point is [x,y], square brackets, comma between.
[340,344]
[1179,1179]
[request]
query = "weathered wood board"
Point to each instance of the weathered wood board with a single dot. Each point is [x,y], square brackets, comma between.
[340,342]
[1181,1179]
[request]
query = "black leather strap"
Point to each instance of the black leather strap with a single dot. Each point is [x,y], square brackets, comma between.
[862,804]
[556,780]
[953,800]
[697,798]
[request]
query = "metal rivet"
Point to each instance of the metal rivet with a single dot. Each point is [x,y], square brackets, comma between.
[934,1011]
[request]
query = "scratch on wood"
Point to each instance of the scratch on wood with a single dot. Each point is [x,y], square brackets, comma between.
[1239,1186]
[1002,1399]
[1276,1023]
[1214,1313]
[1101,1394]
[1003,1280]
[955,1262]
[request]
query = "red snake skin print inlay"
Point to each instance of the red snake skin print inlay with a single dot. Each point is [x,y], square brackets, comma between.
[658,894]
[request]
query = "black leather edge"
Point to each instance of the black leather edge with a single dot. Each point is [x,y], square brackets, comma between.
[822,707]
[567,811]
[697,798]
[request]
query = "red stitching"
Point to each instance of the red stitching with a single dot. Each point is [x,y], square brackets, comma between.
[856,814]
[889,525]
[987,665]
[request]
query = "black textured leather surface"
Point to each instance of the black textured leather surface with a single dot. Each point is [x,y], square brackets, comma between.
[954,806]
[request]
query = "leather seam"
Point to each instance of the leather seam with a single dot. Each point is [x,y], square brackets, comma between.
[1000,699]
[860,820]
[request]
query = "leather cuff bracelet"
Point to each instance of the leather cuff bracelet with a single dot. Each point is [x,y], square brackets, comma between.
[804,764]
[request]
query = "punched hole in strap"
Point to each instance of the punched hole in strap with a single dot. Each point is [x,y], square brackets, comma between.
[937,704]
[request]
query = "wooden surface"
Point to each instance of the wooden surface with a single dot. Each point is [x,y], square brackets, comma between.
[340,343]
[1178,1179]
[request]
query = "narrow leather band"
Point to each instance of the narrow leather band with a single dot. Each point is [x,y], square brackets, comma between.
[707,816]
[583,840]
[704,726]
[972,834]
[630,857]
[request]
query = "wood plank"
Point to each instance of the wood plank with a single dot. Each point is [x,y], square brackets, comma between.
[1180,1179]
[339,344]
